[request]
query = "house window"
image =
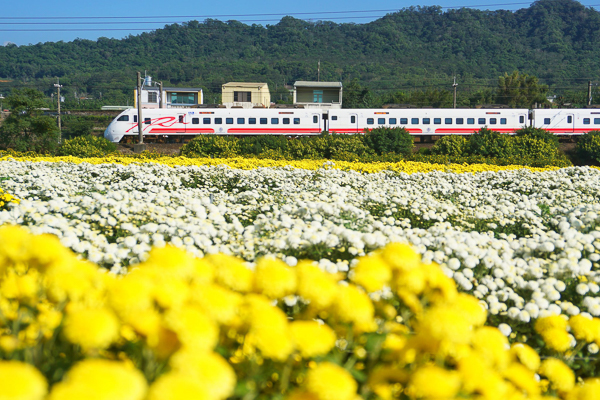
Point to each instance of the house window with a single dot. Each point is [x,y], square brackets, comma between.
[152,97]
[317,96]
[245,97]
[182,98]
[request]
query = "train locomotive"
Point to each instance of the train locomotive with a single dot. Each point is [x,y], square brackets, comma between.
[181,124]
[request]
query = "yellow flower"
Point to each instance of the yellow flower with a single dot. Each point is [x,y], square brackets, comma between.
[170,292]
[526,355]
[273,278]
[203,272]
[329,381]
[443,325]
[558,373]
[312,338]
[131,293]
[231,272]
[522,378]
[474,311]
[550,322]
[221,304]
[353,305]
[492,345]
[590,390]
[584,328]
[176,386]
[170,260]
[401,256]
[193,327]
[91,328]
[97,379]
[209,369]
[557,339]
[20,381]
[372,273]
[269,328]
[74,281]
[316,286]
[434,383]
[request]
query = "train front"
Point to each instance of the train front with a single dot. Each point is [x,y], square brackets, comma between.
[117,128]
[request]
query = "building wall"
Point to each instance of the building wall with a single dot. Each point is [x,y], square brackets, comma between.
[166,95]
[306,95]
[259,96]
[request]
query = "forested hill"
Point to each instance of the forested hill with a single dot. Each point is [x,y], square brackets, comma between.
[556,40]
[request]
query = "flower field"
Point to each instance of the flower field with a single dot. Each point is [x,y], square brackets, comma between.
[275,245]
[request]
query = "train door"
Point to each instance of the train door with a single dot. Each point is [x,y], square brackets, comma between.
[354,122]
[523,120]
[570,123]
[180,123]
[317,122]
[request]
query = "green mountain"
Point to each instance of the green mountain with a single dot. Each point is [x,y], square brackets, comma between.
[415,48]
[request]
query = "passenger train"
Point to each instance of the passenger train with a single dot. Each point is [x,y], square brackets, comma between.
[168,124]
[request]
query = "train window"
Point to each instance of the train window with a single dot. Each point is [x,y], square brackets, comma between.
[403,121]
[286,121]
[274,121]
[460,121]
[252,121]
[437,121]
[123,118]
[315,119]
[502,121]
[393,121]
[481,121]
[381,121]
[334,117]
[218,121]
[195,121]
[229,121]
[241,121]
[206,121]
[181,119]
[263,121]
[493,121]
[569,119]
[353,119]
[586,121]
[521,119]
[596,121]
[470,121]
[135,118]
[296,121]
[147,121]
[546,121]
[426,121]
[448,121]
[370,121]
[414,121]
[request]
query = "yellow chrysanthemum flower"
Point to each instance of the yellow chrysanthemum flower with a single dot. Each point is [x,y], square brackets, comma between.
[316,286]
[557,339]
[401,256]
[329,381]
[443,325]
[353,305]
[193,327]
[474,311]
[372,273]
[559,374]
[550,322]
[209,369]
[20,381]
[492,345]
[176,386]
[171,292]
[231,272]
[91,328]
[100,380]
[526,356]
[131,293]
[588,391]
[75,281]
[170,260]
[434,383]
[221,304]
[585,328]
[312,338]
[269,328]
[522,378]
[273,278]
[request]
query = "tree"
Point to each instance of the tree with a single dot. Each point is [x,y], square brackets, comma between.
[520,90]
[356,96]
[26,129]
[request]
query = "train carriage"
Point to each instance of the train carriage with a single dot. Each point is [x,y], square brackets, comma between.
[567,122]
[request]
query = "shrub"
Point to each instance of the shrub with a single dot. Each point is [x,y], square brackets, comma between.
[534,147]
[211,146]
[588,146]
[451,146]
[389,140]
[486,142]
[300,149]
[538,133]
[87,146]
[258,144]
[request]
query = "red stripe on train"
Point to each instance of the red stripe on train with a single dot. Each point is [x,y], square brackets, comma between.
[180,130]
[273,130]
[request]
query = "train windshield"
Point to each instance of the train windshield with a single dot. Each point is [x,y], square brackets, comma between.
[123,118]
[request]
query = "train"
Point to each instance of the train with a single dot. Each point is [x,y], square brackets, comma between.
[181,124]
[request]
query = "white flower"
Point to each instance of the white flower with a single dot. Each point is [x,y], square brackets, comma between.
[582,288]
[505,329]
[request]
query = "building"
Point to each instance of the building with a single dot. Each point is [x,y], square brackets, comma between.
[172,97]
[245,94]
[318,94]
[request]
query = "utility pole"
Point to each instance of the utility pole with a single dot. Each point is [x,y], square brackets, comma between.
[454,85]
[589,93]
[140,146]
[319,71]
[57,85]
[160,94]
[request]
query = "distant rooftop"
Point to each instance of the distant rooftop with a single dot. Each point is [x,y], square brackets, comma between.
[318,84]
[245,84]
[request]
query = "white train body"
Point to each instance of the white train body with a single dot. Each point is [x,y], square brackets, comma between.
[179,123]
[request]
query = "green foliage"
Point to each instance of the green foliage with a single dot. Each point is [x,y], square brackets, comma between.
[520,90]
[258,144]
[389,140]
[488,143]
[538,133]
[78,128]
[533,147]
[588,146]
[25,129]
[211,146]
[451,145]
[87,146]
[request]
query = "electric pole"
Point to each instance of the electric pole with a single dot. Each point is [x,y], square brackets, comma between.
[140,146]
[319,71]
[454,85]
[57,85]
[160,94]
[589,93]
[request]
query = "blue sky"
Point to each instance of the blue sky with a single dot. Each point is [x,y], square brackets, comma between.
[34,21]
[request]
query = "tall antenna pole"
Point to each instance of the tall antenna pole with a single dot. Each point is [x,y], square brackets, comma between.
[589,93]
[319,71]
[454,85]
[140,146]
[57,85]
